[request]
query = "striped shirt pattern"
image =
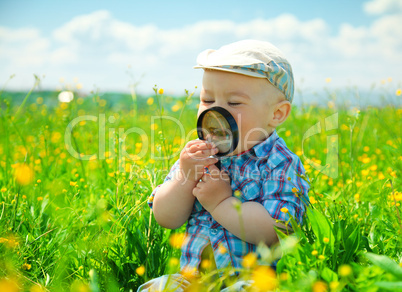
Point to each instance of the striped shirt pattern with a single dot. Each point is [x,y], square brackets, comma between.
[268,174]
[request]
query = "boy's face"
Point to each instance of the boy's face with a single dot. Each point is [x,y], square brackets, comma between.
[250,100]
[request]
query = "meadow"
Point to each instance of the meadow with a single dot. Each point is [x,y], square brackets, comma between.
[75,178]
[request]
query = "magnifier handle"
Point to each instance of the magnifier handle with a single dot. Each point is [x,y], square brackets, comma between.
[218,165]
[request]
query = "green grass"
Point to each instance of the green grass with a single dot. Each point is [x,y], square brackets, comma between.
[68,224]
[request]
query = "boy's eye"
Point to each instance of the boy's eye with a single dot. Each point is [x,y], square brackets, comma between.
[208,101]
[233,103]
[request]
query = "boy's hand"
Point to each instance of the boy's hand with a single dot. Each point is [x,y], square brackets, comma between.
[213,188]
[195,156]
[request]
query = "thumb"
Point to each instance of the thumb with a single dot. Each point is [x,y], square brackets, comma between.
[214,171]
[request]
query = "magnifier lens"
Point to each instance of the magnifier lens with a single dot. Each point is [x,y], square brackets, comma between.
[217,130]
[218,126]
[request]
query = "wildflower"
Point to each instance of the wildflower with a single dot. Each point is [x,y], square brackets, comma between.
[249,260]
[288,133]
[398,92]
[320,286]
[154,126]
[328,80]
[284,210]
[295,190]
[174,261]
[160,91]
[26,266]
[8,285]
[321,257]
[150,101]
[237,194]
[345,270]
[357,197]
[189,273]
[140,270]
[205,264]
[3,190]
[175,108]
[24,197]
[38,181]
[314,252]
[334,285]
[73,183]
[66,96]
[289,178]
[40,199]
[264,278]
[312,200]
[23,174]
[326,239]
[176,240]
[222,249]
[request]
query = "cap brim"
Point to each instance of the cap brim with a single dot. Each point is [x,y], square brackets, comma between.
[237,71]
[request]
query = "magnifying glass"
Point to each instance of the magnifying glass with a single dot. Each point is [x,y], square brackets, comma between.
[218,126]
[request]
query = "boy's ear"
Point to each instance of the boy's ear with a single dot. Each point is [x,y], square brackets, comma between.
[281,113]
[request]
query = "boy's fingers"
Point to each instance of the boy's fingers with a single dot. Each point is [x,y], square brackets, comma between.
[214,171]
[196,147]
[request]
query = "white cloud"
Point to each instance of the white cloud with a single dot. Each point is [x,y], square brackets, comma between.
[376,7]
[97,48]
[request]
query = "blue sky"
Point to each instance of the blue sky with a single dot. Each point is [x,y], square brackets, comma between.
[109,44]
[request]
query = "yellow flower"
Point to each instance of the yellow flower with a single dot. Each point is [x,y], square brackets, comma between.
[40,199]
[288,133]
[73,183]
[314,252]
[222,249]
[295,190]
[160,91]
[249,260]
[38,181]
[328,80]
[398,92]
[289,178]
[150,101]
[26,266]
[174,261]
[320,286]
[140,270]
[264,278]
[23,174]
[205,264]
[176,240]
[321,257]
[333,285]
[9,285]
[312,200]
[284,210]
[175,108]
[3,190]
[345,270]
[357,197]
[326,239]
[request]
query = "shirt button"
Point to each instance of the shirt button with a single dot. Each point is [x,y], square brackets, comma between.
[209,219]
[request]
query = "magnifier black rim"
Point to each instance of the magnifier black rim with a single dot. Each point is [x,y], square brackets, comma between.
[232,124]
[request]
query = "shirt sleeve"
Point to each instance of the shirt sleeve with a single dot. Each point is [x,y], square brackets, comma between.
[173,171]
[285,191]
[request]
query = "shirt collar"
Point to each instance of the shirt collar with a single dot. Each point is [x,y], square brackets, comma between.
[262,149]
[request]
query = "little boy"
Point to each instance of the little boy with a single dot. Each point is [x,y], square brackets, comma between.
[254,82]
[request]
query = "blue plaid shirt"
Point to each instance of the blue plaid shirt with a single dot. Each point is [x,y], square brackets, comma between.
[267,174]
